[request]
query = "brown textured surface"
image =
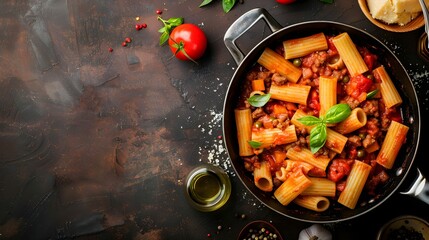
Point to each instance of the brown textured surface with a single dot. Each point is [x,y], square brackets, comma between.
[96,144]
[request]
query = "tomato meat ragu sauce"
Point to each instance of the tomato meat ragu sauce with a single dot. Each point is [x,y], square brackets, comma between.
[361,91]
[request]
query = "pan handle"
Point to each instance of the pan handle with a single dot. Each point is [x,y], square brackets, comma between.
[244,23]
[419,188]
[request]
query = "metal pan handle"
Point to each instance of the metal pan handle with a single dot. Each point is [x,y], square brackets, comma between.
[419,188]
[244,23]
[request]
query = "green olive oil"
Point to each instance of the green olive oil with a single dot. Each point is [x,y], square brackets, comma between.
[208,188]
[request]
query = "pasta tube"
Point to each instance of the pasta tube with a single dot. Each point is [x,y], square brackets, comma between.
[262,177]
[295,93]
[244,121]
[354,184]
[291,188]
[320,187]
[315,203]
[270,137]
[393,141]
[305,155]
[300,47]
[350,55]
[292,166]
[327,93]
[388,91]
[275,62]
[356,120]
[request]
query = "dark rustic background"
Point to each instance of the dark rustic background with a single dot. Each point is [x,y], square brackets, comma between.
[97,144]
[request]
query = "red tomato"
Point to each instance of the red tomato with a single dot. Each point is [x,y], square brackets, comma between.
[357,85]
[285,1]
[187,42]
[338,169]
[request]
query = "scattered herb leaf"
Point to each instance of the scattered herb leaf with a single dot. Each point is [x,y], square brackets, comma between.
[371,94]
[227,5]
[205,2]
[259,100]
[255,144]
[327,1]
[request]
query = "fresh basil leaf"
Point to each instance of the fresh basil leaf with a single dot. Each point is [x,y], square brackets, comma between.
[309,120]
[164,38]
[371,94]
[205,2]
[327,1]
[317,137]
[161,30]
[175,21]
[227,5]
[259,100]
[337,113]
[255,144]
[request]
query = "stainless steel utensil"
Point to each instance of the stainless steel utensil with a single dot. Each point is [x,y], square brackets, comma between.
[426,16]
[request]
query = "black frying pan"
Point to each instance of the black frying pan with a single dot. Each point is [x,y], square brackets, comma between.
[411,112]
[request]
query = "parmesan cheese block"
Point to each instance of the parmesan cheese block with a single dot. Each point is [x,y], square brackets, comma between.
[411,6]
[398,12]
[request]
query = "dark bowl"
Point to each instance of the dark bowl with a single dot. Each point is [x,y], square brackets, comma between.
[406,225]
[256,226]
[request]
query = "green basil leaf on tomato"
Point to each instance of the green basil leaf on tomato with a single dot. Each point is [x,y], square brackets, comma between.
[317,137]
[259,100]
[337,113]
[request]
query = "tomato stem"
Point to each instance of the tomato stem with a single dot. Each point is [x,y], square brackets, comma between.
[180,47]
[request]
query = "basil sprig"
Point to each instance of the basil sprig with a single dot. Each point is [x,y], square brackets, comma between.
[259,100]
[169,25]
[335,114]
[227,5]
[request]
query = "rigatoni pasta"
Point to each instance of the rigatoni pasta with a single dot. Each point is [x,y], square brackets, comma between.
[389,93]
[315,203]
[274,136]
[291,188]
[243,121]
[320,187]
[350,54]
[310,135]
[290,93]
[262,177]
[300,47]
[354,184]
[356,120]
[327,93]
[275,62]
[395,137]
